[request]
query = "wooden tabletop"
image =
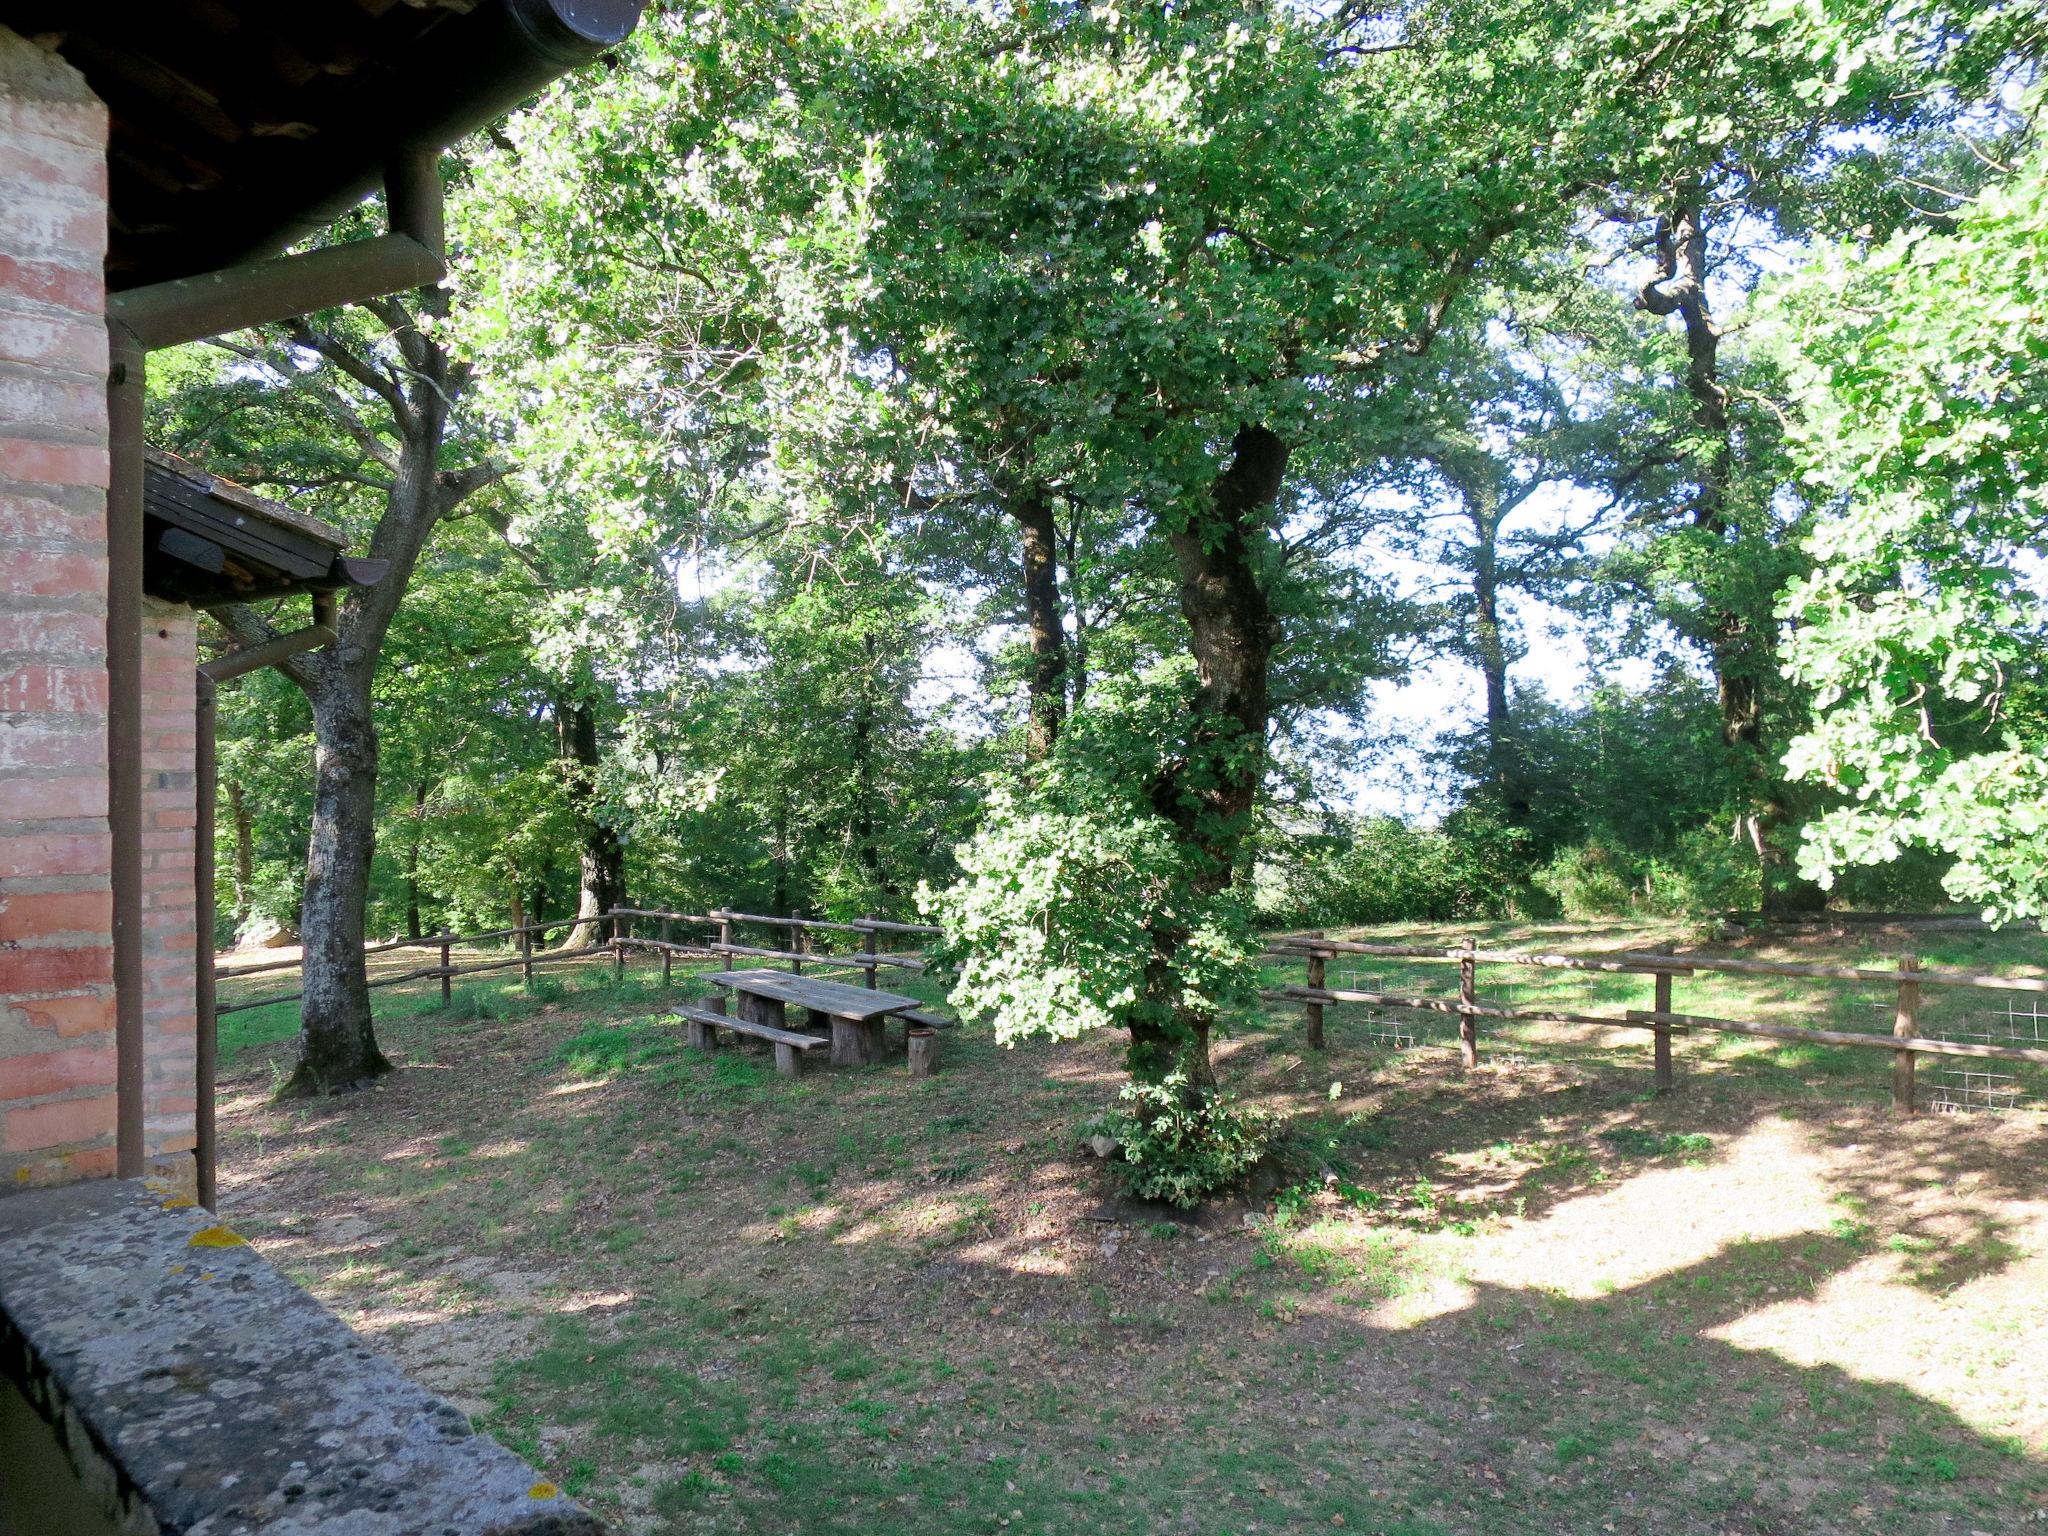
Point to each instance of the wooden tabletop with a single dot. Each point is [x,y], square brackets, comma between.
[831,997]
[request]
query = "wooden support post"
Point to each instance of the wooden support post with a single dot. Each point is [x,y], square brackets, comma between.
[923,1054]
[1468,998]
[868,970]
[1661,1043]
[1314,1011]
[796,946]
[447,980]
[526,958]
[1905,1026]
[789,1061]
[703,1036]
[618,946]
[724,916]
[668,958]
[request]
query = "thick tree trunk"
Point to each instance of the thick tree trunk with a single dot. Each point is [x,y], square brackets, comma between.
[1032,509]
[417,383]
[1490,650]
[601,873]
[1207,793]
[337,1046]
[1680,288]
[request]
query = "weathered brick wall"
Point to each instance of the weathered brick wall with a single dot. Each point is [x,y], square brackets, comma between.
[56,957]
[169,902]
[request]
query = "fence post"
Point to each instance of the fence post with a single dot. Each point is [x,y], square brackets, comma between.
[724,916]
[667,955]
[868,970]
[618,946]
[526,957]
[447,981]
[1317,974]
[1468,999]
[1905,1026]
[796,943]
[1661,1043]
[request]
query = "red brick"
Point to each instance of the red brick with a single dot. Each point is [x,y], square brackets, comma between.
[33,745]
[35,1126]
[81,123]
[50,573]
[71,343]
[54,633]
[55,970]
[46,797]
[58,223]
[93,1163]
[70,1018]
[56,853]
[75,407]
[61,1071]
[43,689]
[47,913]
[46,463]
[61,284]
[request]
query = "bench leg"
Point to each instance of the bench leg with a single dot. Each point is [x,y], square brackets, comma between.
[789,1061]
[923,1052]
[702,1036]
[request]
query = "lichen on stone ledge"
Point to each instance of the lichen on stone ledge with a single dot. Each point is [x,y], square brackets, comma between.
[221,1398]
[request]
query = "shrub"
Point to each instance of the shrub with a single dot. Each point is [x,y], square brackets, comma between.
[1380,869]
[1703,872]
[1183,1150]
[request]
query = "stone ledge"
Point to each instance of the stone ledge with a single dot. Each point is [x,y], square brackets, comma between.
[195,1389]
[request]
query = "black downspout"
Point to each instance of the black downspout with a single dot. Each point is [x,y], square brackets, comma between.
[125,353]
[206,1033]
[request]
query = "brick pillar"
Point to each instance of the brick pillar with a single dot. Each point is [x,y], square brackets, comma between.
[56,956]
[169,902]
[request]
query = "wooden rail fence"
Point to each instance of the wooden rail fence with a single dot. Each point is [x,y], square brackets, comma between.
[1662,1018]
[674,938]
[623,923]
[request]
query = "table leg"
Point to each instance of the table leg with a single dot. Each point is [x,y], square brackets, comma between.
[846,1043]
[761,1010]
[874,1042]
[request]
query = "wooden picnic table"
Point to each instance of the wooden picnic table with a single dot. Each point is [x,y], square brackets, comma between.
[854,1014]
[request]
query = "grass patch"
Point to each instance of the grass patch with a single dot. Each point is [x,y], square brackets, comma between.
[1631,1141]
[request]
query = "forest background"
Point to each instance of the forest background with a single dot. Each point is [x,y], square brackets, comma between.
[989,462]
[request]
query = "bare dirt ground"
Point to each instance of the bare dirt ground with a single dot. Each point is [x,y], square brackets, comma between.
[1534,1298]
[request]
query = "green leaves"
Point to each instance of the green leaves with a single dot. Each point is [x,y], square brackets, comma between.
[1920,633]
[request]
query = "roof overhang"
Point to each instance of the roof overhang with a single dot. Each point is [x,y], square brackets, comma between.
[208,541]
[239,127]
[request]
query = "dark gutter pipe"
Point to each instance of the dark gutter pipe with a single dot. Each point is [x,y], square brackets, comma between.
[125,354]
[206,1024]
[205,765]
[470,71]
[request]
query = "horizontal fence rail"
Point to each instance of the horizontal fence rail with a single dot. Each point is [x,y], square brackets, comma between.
[1314,951]
[620,923]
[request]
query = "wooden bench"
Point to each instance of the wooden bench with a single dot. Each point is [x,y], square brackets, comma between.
[924,1018]
[790,1047]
